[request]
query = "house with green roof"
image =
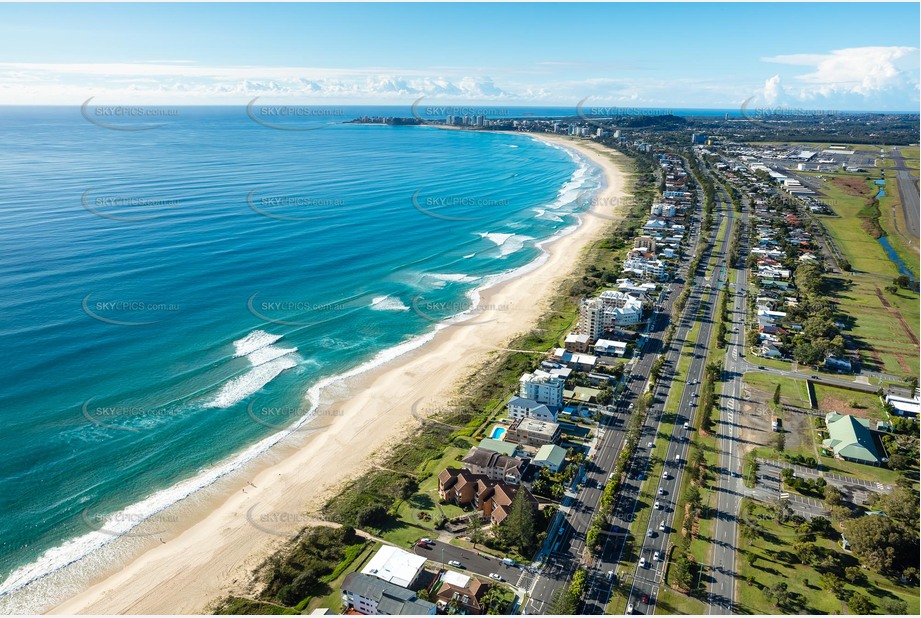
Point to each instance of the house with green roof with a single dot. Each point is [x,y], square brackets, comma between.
[850,439]
[550,456]
[499,446]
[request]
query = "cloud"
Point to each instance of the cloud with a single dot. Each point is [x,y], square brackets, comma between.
[773,90]
[861,71]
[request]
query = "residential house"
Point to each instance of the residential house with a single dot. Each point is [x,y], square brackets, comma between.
[371,596]
[550,456]
[576,342]
[454,597]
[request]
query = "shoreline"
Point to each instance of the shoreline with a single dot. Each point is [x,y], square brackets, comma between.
[220,545]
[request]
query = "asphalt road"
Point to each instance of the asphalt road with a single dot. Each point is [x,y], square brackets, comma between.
[568,547]
[648,578]
[729,481]
[471,561]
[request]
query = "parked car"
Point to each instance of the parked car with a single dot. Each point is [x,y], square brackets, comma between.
[455,563]
[662,526]
[646,599]
[630,609]
[655,557]
[665,475]
[427,541]
[643,563]
[661,492]
[496,577]
[650,533]
[658,506]
[422,544]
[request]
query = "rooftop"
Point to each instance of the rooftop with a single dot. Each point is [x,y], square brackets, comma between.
[394,565]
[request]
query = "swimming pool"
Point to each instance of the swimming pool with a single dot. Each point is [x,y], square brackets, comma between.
[497,433]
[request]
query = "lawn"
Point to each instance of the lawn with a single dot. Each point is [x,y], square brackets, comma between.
[770,560]
[845,401]
[675,603]
[333,600]
[792,392]
[884,326]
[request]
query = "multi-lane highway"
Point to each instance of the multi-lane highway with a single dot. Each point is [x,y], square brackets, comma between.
[702,306]
[567,550]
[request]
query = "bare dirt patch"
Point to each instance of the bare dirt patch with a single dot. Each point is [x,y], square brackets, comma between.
[851,186]
[755,421]
[833,404]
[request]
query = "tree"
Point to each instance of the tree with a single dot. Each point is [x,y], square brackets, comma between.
[806,353]
[780,441]
[519,525]
[683,575]
[903,281]
[494,601]
[882,544]
[423,595]
[833,496]
[806,552]
[475,528]
[777,594]
[860,604]
[776,398]
[783,511]
[855,575]
[831,583]
[893,607]
[891,289]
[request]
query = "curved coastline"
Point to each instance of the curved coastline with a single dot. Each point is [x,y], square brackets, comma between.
[216,549]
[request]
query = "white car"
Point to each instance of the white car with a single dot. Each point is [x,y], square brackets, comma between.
[661,492]
[629,609]
[426,540]
[665,475]
[650,533]
[687,425]
[649,445]
[677,459]
[655,557]
[658,506]
[643,563]
[662,526]
[455,563]
[496,577]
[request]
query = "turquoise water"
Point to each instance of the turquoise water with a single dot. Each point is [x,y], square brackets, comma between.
[497,433]
[174,298]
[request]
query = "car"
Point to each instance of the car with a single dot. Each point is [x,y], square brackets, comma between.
[696,393]
[643,563]
[508,562]
[455,563]
[665,475]
[677,459]
[815,377]
[687,425]
[649,445]
[630,609]
[496,577]
[655,557]
[646,599]
[760,366]
[662,526]
[661,492]
[650,533]
[658,506]
[427,541]
[611,575]
[422,544]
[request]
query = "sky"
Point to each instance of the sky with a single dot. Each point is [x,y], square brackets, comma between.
[822,56]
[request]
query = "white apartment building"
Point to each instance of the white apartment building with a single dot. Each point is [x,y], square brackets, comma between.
[542,387]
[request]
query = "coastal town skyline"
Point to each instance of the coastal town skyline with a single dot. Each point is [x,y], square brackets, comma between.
[611,54]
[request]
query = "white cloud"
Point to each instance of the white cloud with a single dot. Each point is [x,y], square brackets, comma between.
[854,71]
[773,90]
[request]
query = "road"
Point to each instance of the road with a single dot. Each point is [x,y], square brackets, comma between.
[908,195]
[567,550]
[729,480]
[646,580]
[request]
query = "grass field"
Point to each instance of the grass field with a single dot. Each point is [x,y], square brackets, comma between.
[770,560]
[883,325]
[792,392]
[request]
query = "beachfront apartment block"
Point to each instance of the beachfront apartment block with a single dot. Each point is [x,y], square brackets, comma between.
[492,499]
[604,313]
[607,347]
[370,596]
[576,342]
[648,268]
[542,387]
[522,407]
[532,432]
[494,466]
[645,242]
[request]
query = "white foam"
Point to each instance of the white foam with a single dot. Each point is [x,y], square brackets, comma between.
[388,303]
[254,341]
[453,277]
[468,256]
[239,388]
[507,243]
[268,353]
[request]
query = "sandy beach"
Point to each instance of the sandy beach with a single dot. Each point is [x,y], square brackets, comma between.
[214,553]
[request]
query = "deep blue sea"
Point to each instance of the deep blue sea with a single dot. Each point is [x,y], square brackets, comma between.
[173,298]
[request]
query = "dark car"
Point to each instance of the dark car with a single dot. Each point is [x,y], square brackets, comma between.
[646,599]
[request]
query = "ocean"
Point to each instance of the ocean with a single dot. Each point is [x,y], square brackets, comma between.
[175,298]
